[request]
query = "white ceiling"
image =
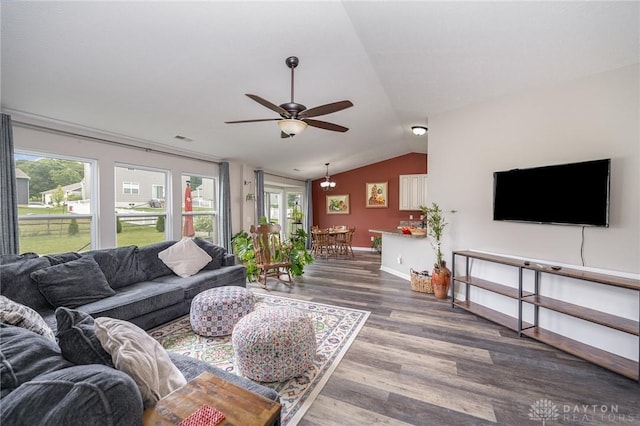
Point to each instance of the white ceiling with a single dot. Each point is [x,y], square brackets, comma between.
[153,70]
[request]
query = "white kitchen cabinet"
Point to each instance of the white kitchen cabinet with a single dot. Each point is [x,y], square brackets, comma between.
[413,191]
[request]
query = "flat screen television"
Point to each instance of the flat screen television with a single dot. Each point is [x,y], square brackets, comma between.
[564,194]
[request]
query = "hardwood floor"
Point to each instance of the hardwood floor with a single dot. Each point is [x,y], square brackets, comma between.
[418,361]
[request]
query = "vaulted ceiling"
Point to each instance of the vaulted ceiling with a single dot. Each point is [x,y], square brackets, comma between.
[154,70]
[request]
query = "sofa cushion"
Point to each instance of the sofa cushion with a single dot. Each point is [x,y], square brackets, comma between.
[23,316]
[25,355]
[141,357]
[119,265]
[135,300]
[12,258]
[150,262]
[185,258]
[217,253]
[17,284]
[204,280]
[77,338]
[73,283]
[75,396]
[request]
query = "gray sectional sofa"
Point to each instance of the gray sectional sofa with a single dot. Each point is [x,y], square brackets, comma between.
[139,287]
[45,381]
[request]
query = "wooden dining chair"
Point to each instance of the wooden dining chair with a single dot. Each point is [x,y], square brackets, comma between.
[272,257]
[324,244]
[343,242]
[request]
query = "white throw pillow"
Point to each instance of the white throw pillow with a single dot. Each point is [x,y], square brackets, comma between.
[136,353]
[185,258]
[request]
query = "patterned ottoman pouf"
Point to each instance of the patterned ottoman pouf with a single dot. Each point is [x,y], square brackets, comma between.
[216,311]
[274,344]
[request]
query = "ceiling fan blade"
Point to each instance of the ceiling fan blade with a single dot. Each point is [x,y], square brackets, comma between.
[272,107]
[326,109]
[252,121]
[326,126]
[283,135]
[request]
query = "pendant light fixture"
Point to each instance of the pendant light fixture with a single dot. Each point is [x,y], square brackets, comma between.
[327,184]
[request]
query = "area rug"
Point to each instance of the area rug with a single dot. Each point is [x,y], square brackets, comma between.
[336,329]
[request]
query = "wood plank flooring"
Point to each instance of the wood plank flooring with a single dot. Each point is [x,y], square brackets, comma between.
[418,361]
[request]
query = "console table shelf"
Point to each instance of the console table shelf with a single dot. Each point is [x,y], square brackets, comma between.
[490,314]
[504,290]
[587,314]
[616,363]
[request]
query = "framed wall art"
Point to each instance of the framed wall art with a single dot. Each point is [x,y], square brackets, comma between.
[377,195]
[338,204]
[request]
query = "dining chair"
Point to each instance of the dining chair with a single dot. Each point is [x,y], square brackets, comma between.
[324,244]
[343,242]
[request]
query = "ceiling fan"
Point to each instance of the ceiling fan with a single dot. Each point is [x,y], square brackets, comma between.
[294,116]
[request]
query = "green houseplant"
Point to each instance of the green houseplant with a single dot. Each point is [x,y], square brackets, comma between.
[441,275]
[294,249]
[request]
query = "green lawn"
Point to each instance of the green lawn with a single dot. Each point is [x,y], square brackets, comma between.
[46,236]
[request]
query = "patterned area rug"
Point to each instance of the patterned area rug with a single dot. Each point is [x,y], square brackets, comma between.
[336,328]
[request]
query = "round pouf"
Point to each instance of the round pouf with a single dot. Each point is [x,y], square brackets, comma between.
[274,344]
[216,311]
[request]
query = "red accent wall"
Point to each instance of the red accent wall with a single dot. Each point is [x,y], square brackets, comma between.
[353,183]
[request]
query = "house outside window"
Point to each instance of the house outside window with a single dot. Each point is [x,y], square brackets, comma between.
[141,216]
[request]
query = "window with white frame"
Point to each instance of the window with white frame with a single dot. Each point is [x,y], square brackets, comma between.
[55,204]
[141,216]
[200,208]
[132,188]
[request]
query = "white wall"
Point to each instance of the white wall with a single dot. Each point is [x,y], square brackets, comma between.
[597,117]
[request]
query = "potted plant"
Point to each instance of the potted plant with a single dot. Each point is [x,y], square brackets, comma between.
[441,275]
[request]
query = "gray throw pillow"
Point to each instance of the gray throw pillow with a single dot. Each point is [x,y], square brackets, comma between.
[217,253]
[73,283]
[77,338]
[119,265]
[149,261]
[17,284]
[25,355]
[23,316]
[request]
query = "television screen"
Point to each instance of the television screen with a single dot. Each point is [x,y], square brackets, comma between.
[567,194]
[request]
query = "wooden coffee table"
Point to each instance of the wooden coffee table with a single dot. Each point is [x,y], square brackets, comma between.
[239,406]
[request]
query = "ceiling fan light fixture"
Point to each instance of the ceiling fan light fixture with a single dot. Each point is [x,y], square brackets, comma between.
[419,130]
[291,126]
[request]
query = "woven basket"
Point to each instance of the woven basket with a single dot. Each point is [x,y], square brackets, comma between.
[421,281]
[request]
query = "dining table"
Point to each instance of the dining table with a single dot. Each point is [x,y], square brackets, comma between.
[330,241]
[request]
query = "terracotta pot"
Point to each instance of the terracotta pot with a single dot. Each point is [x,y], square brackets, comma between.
[441,280]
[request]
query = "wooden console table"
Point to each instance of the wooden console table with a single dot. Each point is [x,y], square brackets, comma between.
[618,364]
[239,406]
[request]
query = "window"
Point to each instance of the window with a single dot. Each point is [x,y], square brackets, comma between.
[141,216]
[199,208]
[132,188]
[157,192]
[55,208]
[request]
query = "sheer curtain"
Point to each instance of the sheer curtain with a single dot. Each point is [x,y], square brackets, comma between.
[225,207]
[259,194]
[9,243]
